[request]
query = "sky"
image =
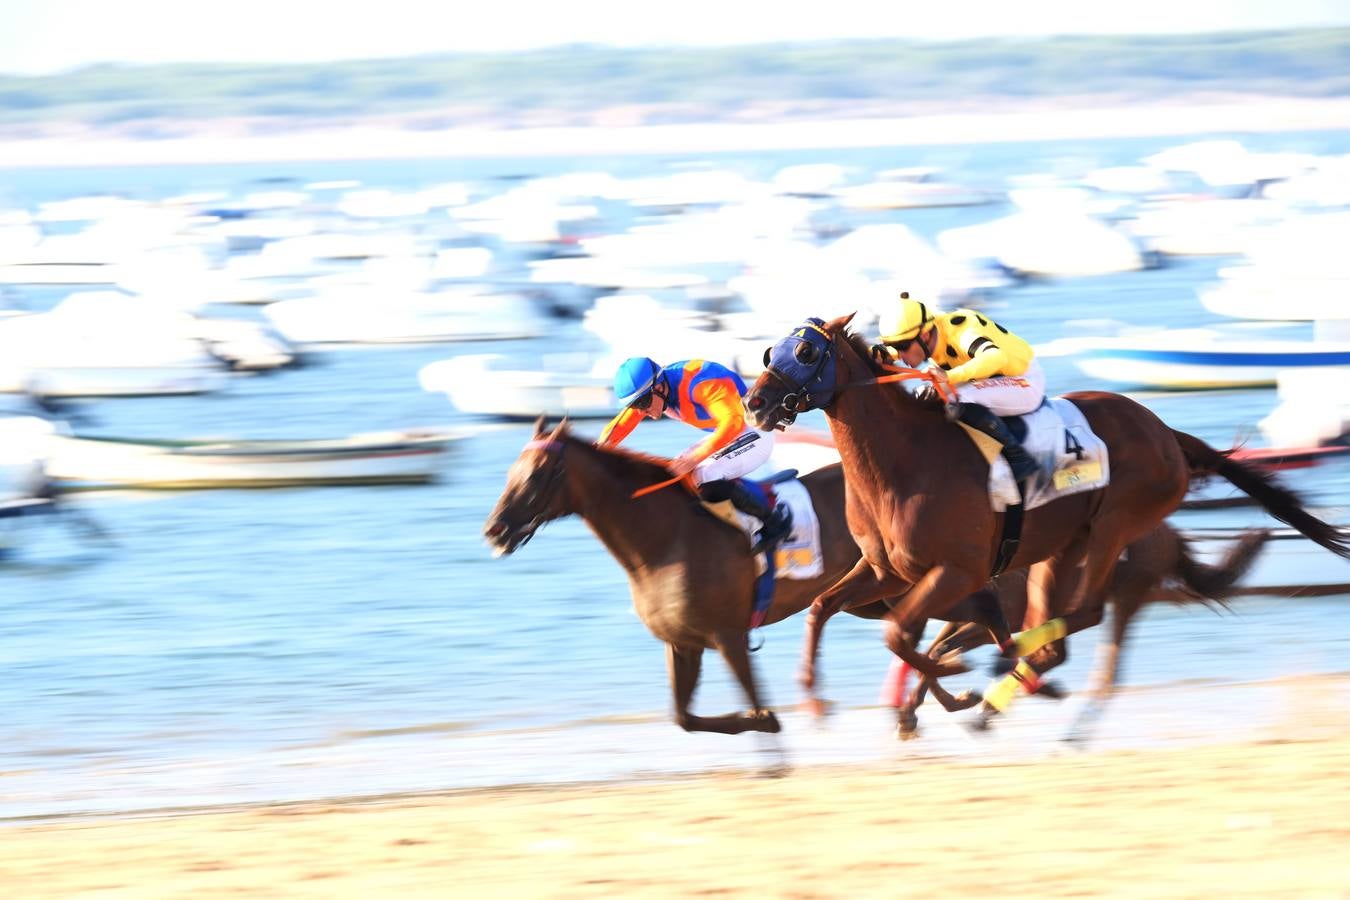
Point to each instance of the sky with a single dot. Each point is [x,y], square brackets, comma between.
[50,36]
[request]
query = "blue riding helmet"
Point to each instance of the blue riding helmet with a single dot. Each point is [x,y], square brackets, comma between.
[635,378]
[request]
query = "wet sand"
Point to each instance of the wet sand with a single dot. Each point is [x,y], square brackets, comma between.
[1268,816]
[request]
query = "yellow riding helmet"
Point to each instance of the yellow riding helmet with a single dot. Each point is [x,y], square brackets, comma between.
[904,320]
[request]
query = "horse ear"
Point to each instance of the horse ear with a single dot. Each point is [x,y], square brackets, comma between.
[839,324]
[541,425]
[561,428]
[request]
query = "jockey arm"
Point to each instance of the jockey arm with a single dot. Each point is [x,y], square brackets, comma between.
[723,403]
[619,427]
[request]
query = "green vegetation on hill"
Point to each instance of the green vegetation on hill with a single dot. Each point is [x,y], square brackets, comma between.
[576,83]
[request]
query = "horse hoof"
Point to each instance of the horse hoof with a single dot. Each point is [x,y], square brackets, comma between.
[981,724]
[906,733]
[769,724]
[1002,665]
[967,699]
[815,707]
[1053,690]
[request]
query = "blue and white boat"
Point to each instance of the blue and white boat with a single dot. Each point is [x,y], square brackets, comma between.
[1198,359]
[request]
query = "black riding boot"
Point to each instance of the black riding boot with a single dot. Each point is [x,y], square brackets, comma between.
[983,420]
[777,520]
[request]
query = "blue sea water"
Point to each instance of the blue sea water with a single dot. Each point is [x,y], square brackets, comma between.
[235,646]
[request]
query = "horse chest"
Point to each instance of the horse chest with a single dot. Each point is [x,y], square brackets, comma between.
[666,606]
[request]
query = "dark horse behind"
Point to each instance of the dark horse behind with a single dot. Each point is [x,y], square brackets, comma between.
[691,575]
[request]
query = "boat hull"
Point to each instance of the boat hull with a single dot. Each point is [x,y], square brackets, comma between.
[93,463]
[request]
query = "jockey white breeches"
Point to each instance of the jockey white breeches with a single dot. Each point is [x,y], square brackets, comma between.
[737,459]
[1006,395]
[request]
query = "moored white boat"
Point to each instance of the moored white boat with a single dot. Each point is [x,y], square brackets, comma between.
[88,462]
[1192,359]
[363,316]
[484,384]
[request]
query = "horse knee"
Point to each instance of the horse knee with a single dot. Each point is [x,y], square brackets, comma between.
[686,721]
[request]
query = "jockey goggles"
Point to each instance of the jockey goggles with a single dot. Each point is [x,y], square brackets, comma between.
[645,401]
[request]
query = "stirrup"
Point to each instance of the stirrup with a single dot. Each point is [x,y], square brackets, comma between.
[1028,464]
[776,527]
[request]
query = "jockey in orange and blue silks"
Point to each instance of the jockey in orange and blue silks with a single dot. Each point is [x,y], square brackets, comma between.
[708,396]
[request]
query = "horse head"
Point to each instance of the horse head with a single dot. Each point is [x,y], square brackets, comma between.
[532,496]
[799,374]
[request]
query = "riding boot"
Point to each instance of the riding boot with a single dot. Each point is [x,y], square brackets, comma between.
[983,420]
[750,499]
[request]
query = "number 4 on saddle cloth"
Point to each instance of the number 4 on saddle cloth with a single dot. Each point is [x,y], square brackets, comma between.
[1069,456]
[796,556]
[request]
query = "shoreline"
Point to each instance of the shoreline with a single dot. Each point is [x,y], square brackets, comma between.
[1259,817]
[208,145]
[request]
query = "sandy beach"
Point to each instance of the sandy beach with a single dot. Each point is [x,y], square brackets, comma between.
[1265,818]
[228,141]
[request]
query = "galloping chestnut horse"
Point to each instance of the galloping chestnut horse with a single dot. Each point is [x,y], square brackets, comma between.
[918,506]
[691,575]
[1157,568]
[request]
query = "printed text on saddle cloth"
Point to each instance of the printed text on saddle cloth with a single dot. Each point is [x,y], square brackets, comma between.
[1072,458]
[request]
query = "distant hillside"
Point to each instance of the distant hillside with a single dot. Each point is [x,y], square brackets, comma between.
[585,84]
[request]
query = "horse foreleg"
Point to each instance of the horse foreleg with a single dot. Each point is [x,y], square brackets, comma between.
[684,665]
[861,585]
[734,651]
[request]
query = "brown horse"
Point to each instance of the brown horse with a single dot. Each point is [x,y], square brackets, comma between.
[918,506]
[691,575]
[1157,568]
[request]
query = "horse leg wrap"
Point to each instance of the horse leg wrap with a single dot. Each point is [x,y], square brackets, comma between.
[1033,639]
[1002,692]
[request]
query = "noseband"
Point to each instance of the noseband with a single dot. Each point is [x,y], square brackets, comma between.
[539,500]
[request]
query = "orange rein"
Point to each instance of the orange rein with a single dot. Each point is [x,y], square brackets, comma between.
[904,373]
[652,488]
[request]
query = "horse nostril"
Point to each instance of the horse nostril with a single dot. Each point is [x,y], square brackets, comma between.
[496,529]
[755,402]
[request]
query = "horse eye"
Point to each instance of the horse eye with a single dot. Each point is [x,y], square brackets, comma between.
[806,353]
[767,352]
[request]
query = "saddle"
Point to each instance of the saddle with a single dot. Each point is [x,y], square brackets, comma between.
[1071,457]
[799,554]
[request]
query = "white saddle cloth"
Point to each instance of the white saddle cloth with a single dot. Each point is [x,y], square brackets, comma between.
[1071,458]
[798,555]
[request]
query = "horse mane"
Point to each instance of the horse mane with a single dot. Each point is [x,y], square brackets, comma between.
[632,464]
[864,352]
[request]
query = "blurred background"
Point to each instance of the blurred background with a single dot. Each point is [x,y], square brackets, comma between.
[284,286]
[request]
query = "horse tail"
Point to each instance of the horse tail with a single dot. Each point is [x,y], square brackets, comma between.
[1215,583]
[1262,487]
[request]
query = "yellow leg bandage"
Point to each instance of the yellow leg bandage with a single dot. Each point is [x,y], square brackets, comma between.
[1033,639]
[1001,693]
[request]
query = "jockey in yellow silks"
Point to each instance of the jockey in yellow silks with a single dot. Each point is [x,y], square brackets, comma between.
[993,371]
[708,396]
